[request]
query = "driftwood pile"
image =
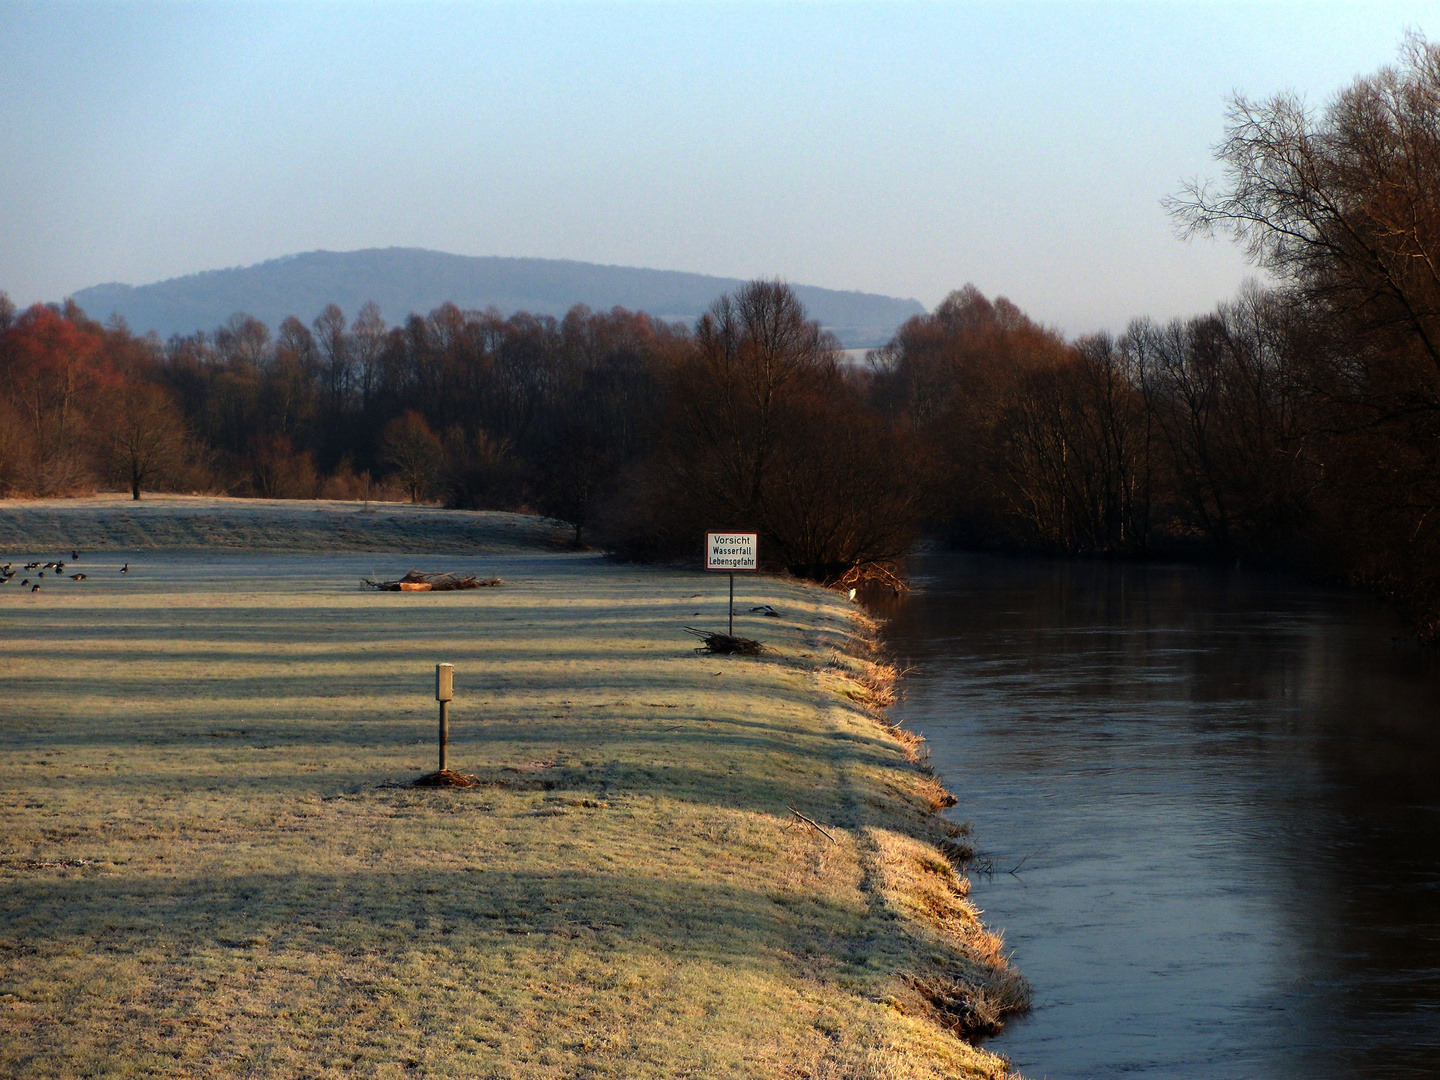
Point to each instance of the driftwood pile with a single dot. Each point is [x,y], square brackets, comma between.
[415,581]
[726,644]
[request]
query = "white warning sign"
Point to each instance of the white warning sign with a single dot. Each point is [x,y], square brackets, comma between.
[730,551]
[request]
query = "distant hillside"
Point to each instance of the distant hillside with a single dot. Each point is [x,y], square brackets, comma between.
[405,280]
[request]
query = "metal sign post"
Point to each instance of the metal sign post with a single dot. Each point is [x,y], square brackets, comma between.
[730,552]
[444,694]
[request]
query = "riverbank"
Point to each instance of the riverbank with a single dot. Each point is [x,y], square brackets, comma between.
[211,863]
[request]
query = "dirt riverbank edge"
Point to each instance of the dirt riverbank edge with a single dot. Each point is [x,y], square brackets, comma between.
[740,871]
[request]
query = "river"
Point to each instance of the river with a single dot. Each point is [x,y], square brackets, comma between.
[1212,802]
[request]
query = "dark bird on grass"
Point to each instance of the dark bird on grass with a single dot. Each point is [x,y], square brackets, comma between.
[77,577]
[42,573]
[74,554]
[125,569]
[35,587]
[24,582]
[32,566]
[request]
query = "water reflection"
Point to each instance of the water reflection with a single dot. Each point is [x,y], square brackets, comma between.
[1222,793]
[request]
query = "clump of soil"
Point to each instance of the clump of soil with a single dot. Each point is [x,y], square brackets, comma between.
[446,778]
[726,644]
[415,581]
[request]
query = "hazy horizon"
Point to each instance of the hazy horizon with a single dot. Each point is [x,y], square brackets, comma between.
[402,281]
[903,150]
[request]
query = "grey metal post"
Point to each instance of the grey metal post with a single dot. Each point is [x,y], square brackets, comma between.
[444,692]
[732,605]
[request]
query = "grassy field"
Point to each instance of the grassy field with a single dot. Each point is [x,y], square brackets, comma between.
[204,523]
[210,862]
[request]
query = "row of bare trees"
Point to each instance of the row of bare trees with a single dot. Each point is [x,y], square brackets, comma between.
[469,407]
[81,404]
[650,432]
[764,429]
[1342,206]
[1296,424]
[1184,435]
[1218,435]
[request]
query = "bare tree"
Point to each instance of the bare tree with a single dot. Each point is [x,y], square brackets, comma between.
[753,348]
[289,389]
[765,431]
[1073,461]
[243,342]
[414,451]
[146,439]
[56,371]
[336,361]
[1345,205]
[367,335]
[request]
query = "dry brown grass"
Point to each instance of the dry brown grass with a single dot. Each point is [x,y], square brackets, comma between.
[972,988]
[445,778]
[211,862]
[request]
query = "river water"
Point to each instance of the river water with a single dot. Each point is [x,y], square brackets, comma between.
[1219,795]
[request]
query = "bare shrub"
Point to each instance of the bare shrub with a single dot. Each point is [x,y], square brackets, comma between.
[279,471]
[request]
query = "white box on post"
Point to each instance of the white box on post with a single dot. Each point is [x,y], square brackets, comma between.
[444,694]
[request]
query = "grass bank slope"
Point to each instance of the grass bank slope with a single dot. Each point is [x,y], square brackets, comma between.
[205,869]
[202,522]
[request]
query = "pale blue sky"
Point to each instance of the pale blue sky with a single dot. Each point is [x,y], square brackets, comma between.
[903,149]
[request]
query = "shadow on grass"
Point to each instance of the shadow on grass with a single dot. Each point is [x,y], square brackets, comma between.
[472,909]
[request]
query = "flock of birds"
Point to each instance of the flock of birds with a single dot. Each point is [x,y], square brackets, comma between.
[8,571]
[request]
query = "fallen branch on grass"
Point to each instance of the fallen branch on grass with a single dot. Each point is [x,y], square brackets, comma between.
[49,864]
[415,581]
[725,643]
[814,825]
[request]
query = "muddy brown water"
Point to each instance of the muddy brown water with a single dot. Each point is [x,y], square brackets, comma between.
[1219,793]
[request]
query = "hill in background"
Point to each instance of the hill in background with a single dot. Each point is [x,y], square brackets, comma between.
[405,280]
